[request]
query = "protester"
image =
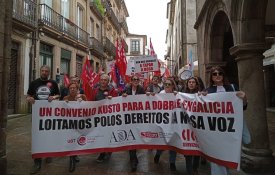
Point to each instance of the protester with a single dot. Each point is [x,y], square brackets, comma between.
[154,87]
[42,89]
[219,83]
[103,91]
[74,95]
[192,86]
[134,89]
[169,87]
[65,90]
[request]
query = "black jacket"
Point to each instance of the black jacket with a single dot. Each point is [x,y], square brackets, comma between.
[228,88]
[140,90]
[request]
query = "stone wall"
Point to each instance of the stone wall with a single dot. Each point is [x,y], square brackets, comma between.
[5,49]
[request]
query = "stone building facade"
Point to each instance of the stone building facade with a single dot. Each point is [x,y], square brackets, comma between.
[61,34]
[137,45]
[181,38]
[240,38]
[234,34]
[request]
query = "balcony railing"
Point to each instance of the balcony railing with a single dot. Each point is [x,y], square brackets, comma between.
[25,11]
[95,9]
[125,45]
[109,47]
[135,52]
[111,15]
[96,46]
[124,26]
[54,20]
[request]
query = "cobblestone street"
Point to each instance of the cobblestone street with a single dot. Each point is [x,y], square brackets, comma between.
[20,162]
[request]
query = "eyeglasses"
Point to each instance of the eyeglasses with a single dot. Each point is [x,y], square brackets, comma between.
[135,79]
[167,84]
[217,74]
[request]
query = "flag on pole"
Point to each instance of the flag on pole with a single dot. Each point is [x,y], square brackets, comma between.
[120,66]
[89,78]
[190,61]
[166,73]
[152,52]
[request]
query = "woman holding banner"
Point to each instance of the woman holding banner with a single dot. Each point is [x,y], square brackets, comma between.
[192,86]
[169,87]
[74,95]
[219,83]
[133,89]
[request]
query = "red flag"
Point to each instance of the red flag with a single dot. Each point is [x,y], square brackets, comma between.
[89,79]
[121,62]
[166,73]
[158,73]
[66,80]
[152,52]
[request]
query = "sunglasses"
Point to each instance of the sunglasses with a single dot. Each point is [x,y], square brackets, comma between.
[135,79]
[167,84]
[217,74]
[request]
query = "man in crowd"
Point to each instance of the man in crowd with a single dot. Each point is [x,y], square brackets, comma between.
[103,91]
[42,88]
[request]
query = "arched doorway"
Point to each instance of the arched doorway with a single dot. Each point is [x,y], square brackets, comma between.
[221,38]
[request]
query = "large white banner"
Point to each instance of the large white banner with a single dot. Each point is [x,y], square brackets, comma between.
[210,126]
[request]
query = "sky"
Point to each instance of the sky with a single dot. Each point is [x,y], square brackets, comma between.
[148,17]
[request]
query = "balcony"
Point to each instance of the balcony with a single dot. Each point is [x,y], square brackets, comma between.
[95,9]
[109,47]
[96,47]
[61,25]
[125,46]
[24,14]
[135,53]
[118,3]
[124,26]
[112,17]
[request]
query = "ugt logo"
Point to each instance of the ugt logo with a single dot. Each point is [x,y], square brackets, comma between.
[122,136]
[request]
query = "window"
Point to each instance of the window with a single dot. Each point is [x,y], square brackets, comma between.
[98,33]
[47,2]
[65,62]
[65,8]
[79,65]
[79,20]
[46,56]
[135,46]
[92,27]
[79,16]
[65,11]
[46,13]
[97,66]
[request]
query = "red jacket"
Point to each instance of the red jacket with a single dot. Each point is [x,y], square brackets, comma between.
[98,94]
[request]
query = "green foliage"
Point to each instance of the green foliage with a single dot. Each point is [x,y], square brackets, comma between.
[99,6]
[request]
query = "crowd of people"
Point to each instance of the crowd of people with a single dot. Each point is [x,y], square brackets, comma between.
[44,88]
